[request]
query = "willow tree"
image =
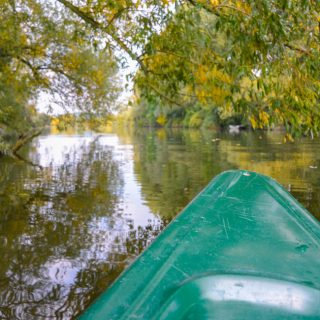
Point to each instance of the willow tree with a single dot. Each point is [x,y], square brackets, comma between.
[268,69]
[43,51]
[258,58]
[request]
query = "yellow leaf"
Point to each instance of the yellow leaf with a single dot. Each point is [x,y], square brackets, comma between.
[214,2]
[55,121]
[288,137]
[161,120]
[264,117]
[253,122]
[201,74]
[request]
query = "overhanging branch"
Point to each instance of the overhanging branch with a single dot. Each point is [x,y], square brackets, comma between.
[28,137]
[96,25]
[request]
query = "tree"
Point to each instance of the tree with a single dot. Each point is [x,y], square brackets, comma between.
[269,69]
[258,58]
[43,51]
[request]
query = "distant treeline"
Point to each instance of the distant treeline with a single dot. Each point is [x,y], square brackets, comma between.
[192,117]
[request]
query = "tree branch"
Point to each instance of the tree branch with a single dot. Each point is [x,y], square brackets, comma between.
[115,16]
[28,137]
[96,25]
[220,6]
[204,6]
[162,95]
[19,157]
[31,67]
[301,50]
[213,10]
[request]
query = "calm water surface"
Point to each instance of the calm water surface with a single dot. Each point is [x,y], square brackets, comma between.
[86,205]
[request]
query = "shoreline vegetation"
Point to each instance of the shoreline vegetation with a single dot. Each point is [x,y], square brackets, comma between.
[197,119]
[10,143]
[187,63]
[13,139]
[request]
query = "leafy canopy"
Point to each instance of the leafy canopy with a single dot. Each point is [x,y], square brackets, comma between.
[43,50]
[259,58]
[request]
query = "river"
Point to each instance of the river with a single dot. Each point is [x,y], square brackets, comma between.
[83,206]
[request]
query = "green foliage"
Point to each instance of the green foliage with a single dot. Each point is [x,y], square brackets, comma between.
[196,120]
[43,51]
[4,147]
[259,58]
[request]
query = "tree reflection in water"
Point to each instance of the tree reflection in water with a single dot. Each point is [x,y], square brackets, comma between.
[66,231]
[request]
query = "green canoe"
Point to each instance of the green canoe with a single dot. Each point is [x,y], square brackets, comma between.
[244,248]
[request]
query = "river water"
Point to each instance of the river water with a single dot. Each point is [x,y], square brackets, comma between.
[83,206]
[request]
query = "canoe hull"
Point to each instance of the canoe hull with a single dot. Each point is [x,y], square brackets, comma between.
[241,226]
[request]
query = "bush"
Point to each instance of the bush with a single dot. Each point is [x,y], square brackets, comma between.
[196,120]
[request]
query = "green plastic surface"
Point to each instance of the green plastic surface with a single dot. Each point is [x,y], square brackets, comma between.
[244,248]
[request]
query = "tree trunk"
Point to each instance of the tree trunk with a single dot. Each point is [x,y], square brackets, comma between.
[25,139]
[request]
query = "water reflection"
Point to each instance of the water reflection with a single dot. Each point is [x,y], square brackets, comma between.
[173,166]
[67,230]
